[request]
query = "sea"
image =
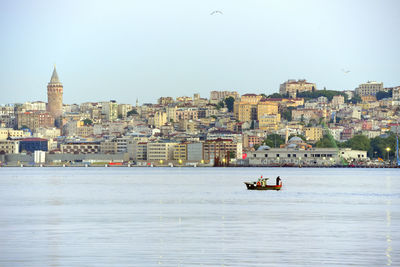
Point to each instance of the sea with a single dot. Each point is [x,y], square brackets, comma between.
[188,216]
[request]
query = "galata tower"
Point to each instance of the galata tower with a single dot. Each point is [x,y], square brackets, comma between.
[54,96]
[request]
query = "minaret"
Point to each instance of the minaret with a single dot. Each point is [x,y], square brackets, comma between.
[54,95]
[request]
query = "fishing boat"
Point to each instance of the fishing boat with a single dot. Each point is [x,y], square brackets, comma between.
[261,184]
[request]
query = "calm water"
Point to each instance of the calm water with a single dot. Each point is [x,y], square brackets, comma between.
[198,217]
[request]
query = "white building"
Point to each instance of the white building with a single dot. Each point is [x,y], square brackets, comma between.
[292,155]
[356,155]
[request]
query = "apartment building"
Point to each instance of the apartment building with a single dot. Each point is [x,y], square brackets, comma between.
[369,88]
[157,151]
[35,119]
[313,133]
[220,148]
[9,147]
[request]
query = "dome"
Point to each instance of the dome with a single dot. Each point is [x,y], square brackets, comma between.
[263,148]
[295,139]
[292,146]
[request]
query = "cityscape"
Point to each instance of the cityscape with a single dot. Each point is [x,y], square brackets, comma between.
[200,133]
[299,125]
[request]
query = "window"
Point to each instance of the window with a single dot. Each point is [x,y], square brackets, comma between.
[288,155]
[294,155]
[277,155]
[266,155]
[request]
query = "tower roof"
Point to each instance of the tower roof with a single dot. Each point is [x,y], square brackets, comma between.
[54,76]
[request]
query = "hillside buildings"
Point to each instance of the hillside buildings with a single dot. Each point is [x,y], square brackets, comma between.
[195,130]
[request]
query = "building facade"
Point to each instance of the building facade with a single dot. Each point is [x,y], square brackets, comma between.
[314,156]
[293,87]
[220,148]
[9,147]
[81,148]
[369,88]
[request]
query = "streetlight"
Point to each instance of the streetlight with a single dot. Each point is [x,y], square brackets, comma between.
[388,150]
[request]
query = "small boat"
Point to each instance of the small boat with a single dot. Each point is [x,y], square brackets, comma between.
[261,184]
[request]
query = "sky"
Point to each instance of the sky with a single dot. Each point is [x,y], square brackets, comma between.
[128,50]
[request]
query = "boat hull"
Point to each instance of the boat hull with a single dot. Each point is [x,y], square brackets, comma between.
[253,186]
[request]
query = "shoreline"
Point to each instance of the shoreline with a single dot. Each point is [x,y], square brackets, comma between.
[193,166]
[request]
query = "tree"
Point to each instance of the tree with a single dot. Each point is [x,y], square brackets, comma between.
[325,141]
[131,112]
[359,142]
[379,145]
[315,94]
[229,101]
[287,113]
[355,99]
[87,122]
[276,95]
[382,94]
[274,140]
[220,105]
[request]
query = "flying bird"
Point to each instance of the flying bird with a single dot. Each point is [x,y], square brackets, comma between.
[345,71]
[215,12]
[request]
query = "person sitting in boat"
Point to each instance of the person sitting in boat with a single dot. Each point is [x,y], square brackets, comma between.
[278,180]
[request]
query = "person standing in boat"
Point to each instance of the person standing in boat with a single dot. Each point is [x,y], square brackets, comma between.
[278,180]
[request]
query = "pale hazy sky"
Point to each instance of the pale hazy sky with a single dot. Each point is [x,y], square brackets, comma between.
[124,50]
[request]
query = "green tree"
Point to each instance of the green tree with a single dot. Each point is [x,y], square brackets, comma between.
[355,99]
[252,125]
[326,141]
[131,112]
[359,142]
[327,93]
[381,95]
[287,113]
[87,122]
[276,95]
[229,101]
[274,140]
[379,145]
[220,105]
